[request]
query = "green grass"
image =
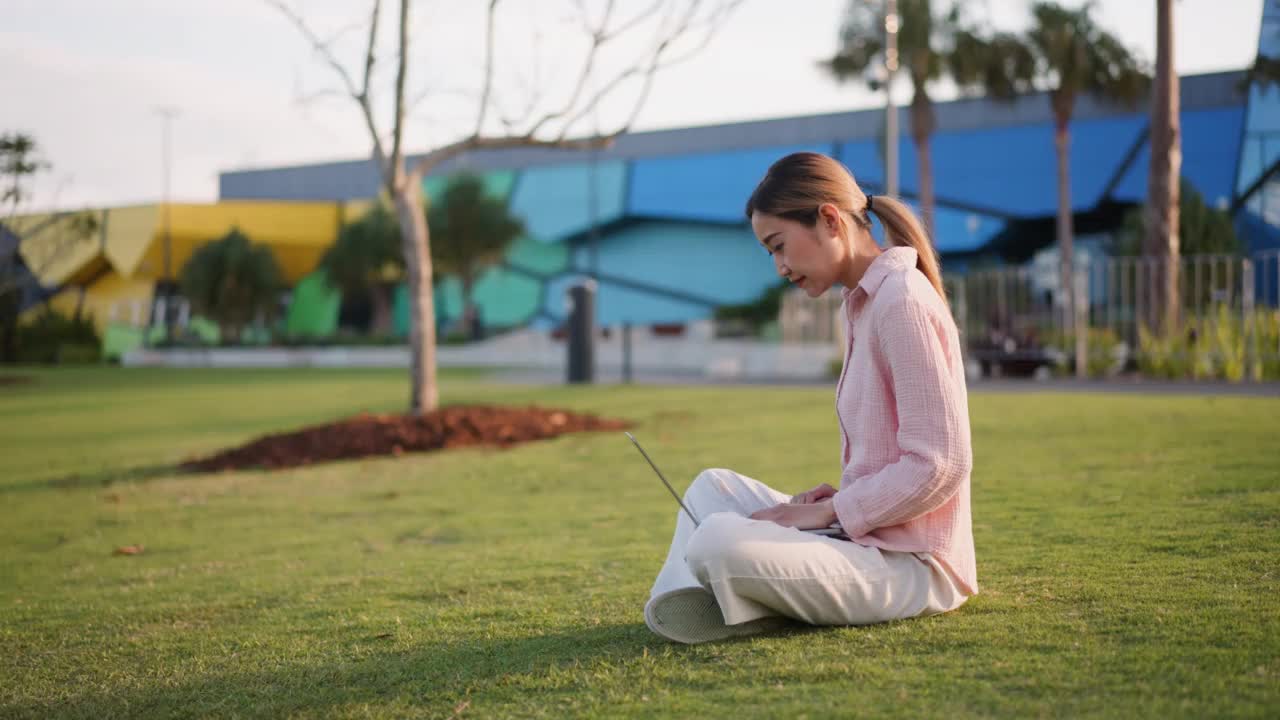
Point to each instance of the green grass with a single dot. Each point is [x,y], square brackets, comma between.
[1127,550]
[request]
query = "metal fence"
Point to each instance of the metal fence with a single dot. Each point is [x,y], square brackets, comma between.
[1013,321]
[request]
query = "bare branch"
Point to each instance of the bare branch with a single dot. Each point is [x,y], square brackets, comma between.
[342,31]
[439,155]
[320,46]
[671,31]
[626,26]
[402,69]
[599,37]
[454,92]
[311,98]
[488,66]
[360,96]
[534,96]
[368,55]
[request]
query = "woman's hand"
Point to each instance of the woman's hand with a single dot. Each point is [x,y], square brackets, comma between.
[818,494]
[804,517]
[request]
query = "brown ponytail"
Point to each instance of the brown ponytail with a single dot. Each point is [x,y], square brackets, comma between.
[904,229]
[795,186]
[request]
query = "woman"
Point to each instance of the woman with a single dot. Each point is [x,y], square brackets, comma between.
[901,404]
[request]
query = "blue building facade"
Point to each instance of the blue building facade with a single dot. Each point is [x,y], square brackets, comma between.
[658,219]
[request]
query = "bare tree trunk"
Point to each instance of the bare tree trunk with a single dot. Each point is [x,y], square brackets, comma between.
[424,393]
[922,126]
[924,162]
[1161,241]
[379,298]
[468,306]
[405,186]
[1066,246]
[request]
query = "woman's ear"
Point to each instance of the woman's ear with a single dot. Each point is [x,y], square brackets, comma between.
[830,217]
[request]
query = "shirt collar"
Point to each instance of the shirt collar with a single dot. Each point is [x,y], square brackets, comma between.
[894,259]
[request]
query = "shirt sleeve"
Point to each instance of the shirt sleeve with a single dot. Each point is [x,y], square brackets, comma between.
[932,437]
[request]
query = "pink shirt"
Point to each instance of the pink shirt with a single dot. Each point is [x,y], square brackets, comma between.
[904,420]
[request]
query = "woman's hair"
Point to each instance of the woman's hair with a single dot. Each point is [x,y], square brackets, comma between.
[795,186]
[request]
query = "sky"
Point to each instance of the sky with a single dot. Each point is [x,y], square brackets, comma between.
[88,78]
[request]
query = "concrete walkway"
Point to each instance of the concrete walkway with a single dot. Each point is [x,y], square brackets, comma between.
[1140,386]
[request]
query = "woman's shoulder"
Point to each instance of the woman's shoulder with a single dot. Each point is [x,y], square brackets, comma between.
[908,291]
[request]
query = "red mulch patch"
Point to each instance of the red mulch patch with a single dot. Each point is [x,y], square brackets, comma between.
[365,435]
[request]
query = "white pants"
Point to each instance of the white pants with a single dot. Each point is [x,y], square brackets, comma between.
[757,568]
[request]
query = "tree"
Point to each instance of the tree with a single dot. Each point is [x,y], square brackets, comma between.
[232,281]
[919,51]
[1266,68]
[1202,230]
[677,23]
[46,239]
[365,255]
[1162,181]
[472,231]
[931,46]
[1077,57]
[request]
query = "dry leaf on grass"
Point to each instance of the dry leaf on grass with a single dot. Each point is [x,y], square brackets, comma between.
[128,550]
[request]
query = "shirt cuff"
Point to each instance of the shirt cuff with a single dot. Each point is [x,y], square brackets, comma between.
[850,514]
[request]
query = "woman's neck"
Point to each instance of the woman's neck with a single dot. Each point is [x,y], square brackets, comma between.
[861,254]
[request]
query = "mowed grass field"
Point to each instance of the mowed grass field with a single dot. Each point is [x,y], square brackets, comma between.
[1127,551]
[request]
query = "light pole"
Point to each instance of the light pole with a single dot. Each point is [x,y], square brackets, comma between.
[166,281]
[890,112]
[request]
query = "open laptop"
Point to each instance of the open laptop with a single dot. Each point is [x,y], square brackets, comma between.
[834,530]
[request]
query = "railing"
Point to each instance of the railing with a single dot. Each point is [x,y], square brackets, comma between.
[1012,319]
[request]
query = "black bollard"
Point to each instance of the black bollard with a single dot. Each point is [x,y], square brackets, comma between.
[626,352]
[582,322]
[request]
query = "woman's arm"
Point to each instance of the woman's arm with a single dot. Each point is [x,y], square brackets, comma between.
[933,425]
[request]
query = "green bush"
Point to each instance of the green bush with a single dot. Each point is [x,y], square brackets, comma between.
[1215,347]
[1106,353]
[55,338]
[753,316]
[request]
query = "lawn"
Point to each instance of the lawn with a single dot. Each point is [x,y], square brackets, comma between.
[1127,551]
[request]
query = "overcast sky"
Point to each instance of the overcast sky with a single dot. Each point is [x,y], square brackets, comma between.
[86,77]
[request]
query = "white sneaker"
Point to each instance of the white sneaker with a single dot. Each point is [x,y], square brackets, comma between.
[691,615]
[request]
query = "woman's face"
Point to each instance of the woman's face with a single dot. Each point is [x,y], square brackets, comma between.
[809,257]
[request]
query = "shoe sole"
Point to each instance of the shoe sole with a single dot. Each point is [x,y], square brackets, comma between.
[692,615]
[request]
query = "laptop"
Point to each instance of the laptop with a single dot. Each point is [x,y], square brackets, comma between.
[833,531]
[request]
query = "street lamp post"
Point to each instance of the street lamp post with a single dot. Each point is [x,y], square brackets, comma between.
[166,281]
[891,21]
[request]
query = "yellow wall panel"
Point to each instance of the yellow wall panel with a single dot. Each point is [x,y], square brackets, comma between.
[130,232]
[52,248]
[263,222]
[112,297]
[132,239]
[296,260]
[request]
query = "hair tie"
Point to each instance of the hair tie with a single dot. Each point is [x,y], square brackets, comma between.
[870,202]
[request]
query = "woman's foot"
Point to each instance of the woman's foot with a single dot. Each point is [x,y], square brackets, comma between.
[691,615]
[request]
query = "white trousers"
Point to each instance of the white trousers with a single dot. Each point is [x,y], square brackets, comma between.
[757,568]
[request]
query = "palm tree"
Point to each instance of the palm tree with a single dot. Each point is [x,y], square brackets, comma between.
[470,231]
[931,46]
[919,40]
[1077,57]
[1162,182]
[231,281]
[367,255]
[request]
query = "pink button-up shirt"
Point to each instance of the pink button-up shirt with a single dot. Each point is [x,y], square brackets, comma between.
[904,420]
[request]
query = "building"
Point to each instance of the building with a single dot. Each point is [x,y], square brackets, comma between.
[658,219]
